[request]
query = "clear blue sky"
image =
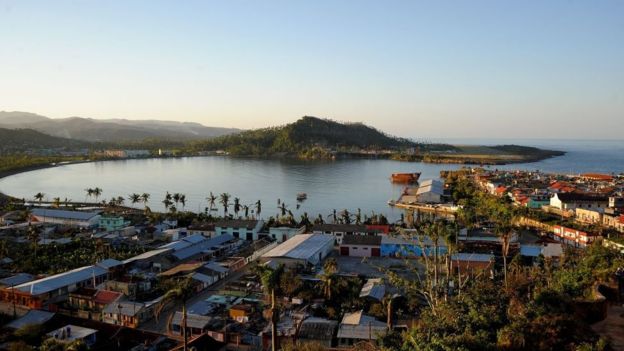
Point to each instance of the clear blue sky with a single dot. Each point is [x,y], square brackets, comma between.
[412,68]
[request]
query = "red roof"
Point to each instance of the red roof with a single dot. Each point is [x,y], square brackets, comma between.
[622,219]
[104,297]
[598,176]
[501,190]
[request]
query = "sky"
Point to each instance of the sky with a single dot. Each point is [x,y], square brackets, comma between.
[420,69]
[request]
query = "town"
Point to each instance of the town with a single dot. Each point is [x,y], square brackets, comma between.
[102,275]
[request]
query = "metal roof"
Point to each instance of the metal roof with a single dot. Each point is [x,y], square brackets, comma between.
[146,255]
[57,281]
[374,288]
[31,317]
[465,256]
[431,186]
[203,278]
[213,266]
[356,325]
[109,263]
[192,320]
[301,246]
[75,215]
[201,246]
[127,308]
[19,278]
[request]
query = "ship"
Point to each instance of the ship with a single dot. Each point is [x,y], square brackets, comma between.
[405,177]
[302,196]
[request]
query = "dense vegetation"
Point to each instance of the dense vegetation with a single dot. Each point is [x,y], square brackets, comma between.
[17,140]
[309,137]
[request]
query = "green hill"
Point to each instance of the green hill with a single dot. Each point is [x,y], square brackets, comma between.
[308,137]
[20,140]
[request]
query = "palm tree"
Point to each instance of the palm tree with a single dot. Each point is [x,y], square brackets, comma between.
[237,206]
[56,202]
[183,201]
[182,292]
[270,279]
[224,199]
[145,198]
[258,208]
[167,201]
[120,201]
[33,236]
[305,220]
[346,216]
[503,230]
[39,197]
[89,193]
[212,199]
[283,208]
[246,209]
[176,198]
[358,216]
[328,277]
[96,193]
[134,198]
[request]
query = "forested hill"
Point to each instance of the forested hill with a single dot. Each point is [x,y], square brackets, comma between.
[302,136]
[12,140]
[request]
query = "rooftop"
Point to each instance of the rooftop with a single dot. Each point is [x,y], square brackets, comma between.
[57,281]
[368,240]
[17,279]
[237,223]
[75,215]
[301,246]
[71,332]
[31,317]
[317,329]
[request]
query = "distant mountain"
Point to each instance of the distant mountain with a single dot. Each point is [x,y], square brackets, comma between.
[305,137]
[18,140]
[111,130]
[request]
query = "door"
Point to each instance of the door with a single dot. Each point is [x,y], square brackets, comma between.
[344,251]
[375,252]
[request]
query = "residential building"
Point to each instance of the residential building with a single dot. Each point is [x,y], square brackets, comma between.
[71,333]
[111,223]
[239,228]
[319,331]
[338,231]
[588,216]
[357,326]
[282,234]
[430,192]
[573,237]
[471,262]
[572,201]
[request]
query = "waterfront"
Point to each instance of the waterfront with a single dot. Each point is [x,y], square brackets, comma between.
[342,184]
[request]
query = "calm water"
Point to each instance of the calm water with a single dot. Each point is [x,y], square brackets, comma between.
[342,184]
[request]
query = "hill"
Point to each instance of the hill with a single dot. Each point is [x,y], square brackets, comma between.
[309,137]
[19,140]
[111,130]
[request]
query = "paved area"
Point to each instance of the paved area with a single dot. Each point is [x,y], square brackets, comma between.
[374,267]
[612,327]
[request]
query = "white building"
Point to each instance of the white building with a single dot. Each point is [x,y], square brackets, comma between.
[572,201]
[70,218]
[430,191]
[239,228]
[304,249]
[281,234]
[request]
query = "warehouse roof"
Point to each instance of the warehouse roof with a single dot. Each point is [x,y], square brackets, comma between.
[301,246]
[75,215]
[202,246]
[57,281]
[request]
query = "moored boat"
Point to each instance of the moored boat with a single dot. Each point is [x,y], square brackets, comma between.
[405,177]
[302,196]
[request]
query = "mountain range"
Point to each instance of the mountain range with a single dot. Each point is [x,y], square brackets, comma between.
[110,130]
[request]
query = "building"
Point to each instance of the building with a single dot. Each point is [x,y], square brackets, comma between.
[374,289]
[90,302]
[71,333]
[430,192]
[303,249]
[239,228]
[357,326]
[361,246]
[588,216]
[128,313]
[615,221]
[45,293]
[407,246]
[471,262]
[69,218]
[17,279]
[573,200]
[112,224]
[319,331]
[338,231]
[573,237]
[282,234]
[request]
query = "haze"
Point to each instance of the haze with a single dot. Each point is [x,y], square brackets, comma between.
[481,69]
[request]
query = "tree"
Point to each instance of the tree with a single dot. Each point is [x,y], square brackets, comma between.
[39,197]
[183,201]
[237,206]
[270,279]
[145,198]
[33,236]
[134,198]
[258,208]
[212,199]
[503,230]
[283,209]
[327,278]
[181,292]
[56,202]
[96,193]
[224,200]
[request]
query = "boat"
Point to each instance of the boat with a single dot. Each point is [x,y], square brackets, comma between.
[302,196]
[391,203]
[405,177]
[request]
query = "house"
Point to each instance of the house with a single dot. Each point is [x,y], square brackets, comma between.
[357,326]
[597,177]
[430,192]
[128,313]
[572,201]
[361,246]
[319,331]
[90,302]
[46,292]
[471,262]
[112,223]
[198,247]
[374,289]
[241,312]
[588,216]
[303,249]
[573,237]
[545,247]
[282,234]
[204,228]
[63,217]
[32,317]
[338,231]
[71,333]
[195,324]
[615,221]
[239,228]
[616,202]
